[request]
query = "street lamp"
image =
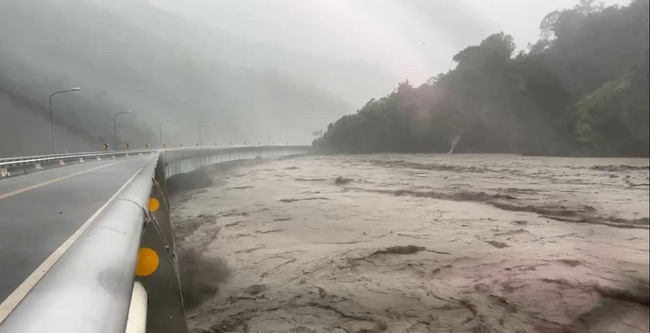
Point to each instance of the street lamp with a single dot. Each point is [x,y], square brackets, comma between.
[160,130]
[115,127]
[201,135]
[236,129]
[52,118]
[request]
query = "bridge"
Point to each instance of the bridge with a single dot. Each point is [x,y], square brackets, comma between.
[86,242]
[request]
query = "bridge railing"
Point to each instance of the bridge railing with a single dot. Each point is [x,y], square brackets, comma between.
[121,271]
[19,165]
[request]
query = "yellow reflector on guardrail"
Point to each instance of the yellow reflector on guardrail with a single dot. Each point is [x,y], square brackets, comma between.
[147,262]
[154,204]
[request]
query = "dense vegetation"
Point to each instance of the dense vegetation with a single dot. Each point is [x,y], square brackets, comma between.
[582,89]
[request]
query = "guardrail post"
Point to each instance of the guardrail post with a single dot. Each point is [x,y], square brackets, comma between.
[157,266]
[159,205]
[160,278]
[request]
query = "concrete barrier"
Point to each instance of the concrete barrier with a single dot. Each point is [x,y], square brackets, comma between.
[14,166]
[90,288]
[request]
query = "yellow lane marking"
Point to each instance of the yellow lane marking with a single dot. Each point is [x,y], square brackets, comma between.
[17,295]
[32,187]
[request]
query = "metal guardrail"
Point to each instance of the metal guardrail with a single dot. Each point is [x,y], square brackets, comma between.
[17,159]
[20,165]
[180,161]
[90,287]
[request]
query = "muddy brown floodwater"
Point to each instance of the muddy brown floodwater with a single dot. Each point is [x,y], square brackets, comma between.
[424,243]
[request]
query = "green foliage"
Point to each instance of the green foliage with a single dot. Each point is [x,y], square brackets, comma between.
[597,108]
[580,90]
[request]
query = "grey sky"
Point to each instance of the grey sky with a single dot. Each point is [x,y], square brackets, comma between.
[410,39]
[275,69]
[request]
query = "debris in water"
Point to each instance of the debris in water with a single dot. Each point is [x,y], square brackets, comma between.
[302,199]
[498,245]
[570,262]
[616,168]
[342,180]
[240,187]
[254,289]
[409,249]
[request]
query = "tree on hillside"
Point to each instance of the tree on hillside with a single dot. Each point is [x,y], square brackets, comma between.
[580,90]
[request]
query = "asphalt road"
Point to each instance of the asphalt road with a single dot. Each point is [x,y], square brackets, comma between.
[39,211]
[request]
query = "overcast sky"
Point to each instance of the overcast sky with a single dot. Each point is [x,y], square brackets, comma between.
[277,70]
[409,39]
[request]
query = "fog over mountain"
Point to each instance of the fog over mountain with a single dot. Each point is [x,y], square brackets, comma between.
[269,71]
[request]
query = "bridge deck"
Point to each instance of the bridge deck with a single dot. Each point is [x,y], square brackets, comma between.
[40,211]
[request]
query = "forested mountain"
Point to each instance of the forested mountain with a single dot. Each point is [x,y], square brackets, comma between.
[582,89]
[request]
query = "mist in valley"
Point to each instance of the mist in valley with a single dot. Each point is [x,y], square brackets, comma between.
[247,72]
[135,56]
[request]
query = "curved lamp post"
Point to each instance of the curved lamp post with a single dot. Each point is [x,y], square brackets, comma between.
[51,116]
[201,134]
[115,127]
[160,131]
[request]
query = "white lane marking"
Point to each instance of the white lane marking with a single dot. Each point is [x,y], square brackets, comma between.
[17,295]
[35,186]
